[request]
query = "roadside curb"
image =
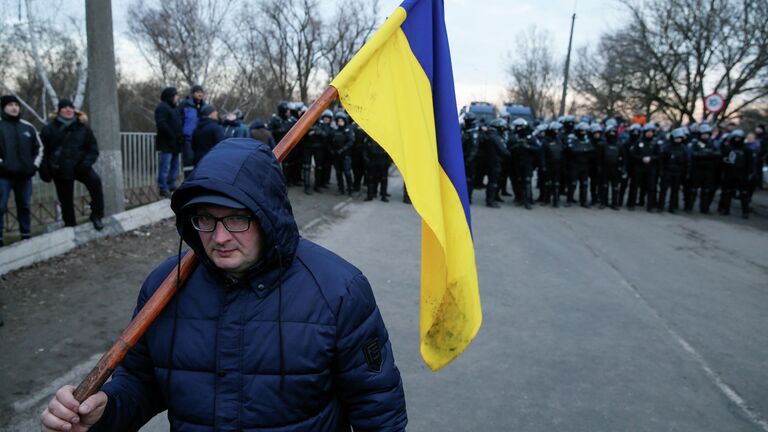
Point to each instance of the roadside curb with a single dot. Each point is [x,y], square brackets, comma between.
[43,247]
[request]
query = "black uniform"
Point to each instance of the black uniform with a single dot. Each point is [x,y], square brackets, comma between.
[580,154]
[594,169]
[357,154]
[674,166]
[612,162]
[341,146]
[492,143]
[470,141]
[526,152]
[315,147]
[552,150]
[628,143]
[705,159]
[279,124]
[737,174]
[377,168]
[644,171]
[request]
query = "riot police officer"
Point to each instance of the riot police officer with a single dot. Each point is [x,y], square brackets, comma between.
[342,140]
[611,159]
[737,173]
[569,123]
[539,133]
[552,152]
[470,141]
[627,143]
[580,153]
[526,152]
[645,156]
[279,125]
[377,168]
[315,147]
[492,142]
[705,159]
[674,166]
[596,136]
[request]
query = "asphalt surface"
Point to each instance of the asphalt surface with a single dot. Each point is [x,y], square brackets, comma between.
[594,320]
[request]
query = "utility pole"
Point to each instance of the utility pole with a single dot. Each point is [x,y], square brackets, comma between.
[102,101]
[567,67]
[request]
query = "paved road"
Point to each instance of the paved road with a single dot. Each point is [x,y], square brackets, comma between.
[593,320]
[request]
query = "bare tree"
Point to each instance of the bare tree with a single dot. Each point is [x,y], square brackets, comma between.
[260,57]
[533,72]
[347,31]
[305,40]
[181,39]
[43,60]
[692,44]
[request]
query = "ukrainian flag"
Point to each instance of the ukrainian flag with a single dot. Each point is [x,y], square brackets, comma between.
[399,89]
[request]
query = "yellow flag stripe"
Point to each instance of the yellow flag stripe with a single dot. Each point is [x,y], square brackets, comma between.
[385,90]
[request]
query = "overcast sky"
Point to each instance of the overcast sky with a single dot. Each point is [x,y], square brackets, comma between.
[481,33]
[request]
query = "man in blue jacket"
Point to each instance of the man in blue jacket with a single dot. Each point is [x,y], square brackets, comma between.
[271,331]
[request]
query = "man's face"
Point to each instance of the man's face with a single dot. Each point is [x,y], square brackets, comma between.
[198,95]
[340,122]
[231,117]
[67,113]
[649,134]
[327,120]
[176,99]
[233,253]
[12,109]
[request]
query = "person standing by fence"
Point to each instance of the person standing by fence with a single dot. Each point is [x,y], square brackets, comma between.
[69,152]
[169,141]
[190,113]
[19,149]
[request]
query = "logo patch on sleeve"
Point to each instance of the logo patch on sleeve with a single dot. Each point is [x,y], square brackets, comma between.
[373,355]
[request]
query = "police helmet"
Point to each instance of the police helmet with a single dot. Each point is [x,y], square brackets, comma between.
[282,106]
[650,126]
[610,123]
[595,128]
[679,133]
[705,128]
[569,119]
[738,133]
[581,126]
[519,123]
[540,129]
[635,127]
[341,115]
[555,126]
[498,123]
[327,113]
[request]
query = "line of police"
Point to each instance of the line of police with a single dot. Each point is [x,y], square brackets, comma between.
[334,141]
[598,161]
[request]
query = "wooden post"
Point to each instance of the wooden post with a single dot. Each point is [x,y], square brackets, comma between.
[163,295]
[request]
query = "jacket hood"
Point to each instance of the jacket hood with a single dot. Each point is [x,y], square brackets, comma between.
[245,170]
[168,94]
[81,116]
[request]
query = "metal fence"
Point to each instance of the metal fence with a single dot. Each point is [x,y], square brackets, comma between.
[139,180]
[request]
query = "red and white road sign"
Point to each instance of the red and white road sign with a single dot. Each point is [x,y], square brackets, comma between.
[714,103]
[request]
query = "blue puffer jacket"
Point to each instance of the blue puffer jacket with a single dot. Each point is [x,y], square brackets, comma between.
[299,345]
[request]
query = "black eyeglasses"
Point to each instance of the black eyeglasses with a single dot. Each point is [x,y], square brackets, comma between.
[235,223]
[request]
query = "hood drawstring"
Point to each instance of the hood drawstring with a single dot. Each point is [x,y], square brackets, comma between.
[175,318]
[280,317]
